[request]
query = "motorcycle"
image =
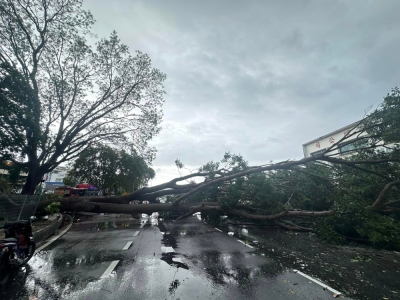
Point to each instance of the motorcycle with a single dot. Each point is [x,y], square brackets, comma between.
[17,248]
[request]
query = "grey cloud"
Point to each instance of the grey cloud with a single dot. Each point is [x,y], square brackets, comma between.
[258,77]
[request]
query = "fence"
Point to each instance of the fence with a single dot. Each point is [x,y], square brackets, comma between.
[17,207]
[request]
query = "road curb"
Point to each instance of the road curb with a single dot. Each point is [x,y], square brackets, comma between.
[48,231]
[57,236]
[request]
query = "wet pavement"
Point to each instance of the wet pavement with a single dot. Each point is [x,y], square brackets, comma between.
[127,260]
[358,271]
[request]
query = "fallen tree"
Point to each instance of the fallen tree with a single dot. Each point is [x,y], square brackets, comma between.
[120,204]
[355,197]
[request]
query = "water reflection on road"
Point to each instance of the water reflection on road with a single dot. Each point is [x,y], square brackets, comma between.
[166,260]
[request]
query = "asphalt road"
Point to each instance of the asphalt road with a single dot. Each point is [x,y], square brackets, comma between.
[186,260]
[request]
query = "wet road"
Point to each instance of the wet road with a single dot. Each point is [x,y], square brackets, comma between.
[187,260]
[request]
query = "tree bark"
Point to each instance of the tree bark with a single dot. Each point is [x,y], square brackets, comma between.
[284,214]
[31,183]
[379,201]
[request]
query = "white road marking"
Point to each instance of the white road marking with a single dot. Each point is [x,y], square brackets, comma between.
[126,247]
[110,268]
[218,229]
[318,282]
[136,233]
[245,244]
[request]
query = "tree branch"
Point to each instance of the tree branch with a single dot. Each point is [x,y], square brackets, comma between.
[378,202]
[284,214]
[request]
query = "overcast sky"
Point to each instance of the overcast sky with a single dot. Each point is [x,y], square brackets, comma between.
[259,78]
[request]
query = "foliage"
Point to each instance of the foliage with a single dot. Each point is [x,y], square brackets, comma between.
[179,164]
[52,196]
[212,218]
[359,258]
[5,187]
[110,170]
[16,108]
[386,119]
[9,181]
[382,231]
[315,186]
[355,193]
[62,95]
[234,162]
[69,180]
[53,208]
[133,171]
[326,231]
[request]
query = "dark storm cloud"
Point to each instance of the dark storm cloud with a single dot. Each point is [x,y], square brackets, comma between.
[258,77]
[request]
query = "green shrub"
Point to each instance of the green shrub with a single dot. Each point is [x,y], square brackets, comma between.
[53,208]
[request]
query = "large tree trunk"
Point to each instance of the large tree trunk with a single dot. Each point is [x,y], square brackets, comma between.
[33,179]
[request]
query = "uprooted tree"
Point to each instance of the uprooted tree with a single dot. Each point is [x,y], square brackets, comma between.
[355,197]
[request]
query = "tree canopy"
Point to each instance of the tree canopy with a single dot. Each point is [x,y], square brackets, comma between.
[16,110]
[113,171]
[61,95]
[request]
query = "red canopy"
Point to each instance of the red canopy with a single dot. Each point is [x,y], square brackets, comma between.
[84,186]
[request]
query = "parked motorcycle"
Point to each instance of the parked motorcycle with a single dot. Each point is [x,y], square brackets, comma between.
[17,248]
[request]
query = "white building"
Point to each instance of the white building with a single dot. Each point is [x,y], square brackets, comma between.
[319,145]
[57,175]
[54,178]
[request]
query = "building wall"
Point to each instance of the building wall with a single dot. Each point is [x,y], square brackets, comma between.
[317,146]
[57,175]
[54,179]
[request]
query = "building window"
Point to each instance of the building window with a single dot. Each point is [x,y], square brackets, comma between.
[348,147]
[319,152]
[59,179]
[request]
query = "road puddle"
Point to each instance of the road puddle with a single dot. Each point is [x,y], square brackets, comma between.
[170,259]
[168,250]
